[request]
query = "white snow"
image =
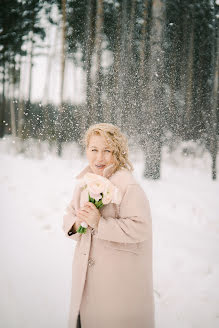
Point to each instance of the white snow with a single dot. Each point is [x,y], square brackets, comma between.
[36,257]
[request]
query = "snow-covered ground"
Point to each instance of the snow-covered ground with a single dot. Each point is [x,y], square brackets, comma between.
[36,257]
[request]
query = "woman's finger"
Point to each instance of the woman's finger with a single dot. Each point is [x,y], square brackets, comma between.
[81,218]
[83,213]
[90,205]
[83,210]
[92,208]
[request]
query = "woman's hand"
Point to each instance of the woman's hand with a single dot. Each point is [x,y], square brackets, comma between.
[90,214]
[77,224]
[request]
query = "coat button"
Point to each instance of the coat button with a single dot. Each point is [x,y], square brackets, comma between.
[93,231]
[91,261]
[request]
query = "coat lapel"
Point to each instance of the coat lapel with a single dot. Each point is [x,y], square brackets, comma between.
[83,172]
[107,172]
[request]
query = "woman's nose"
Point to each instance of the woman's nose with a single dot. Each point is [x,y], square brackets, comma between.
[100,155]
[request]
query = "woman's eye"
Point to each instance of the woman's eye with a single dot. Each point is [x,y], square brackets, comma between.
[107,150]
[94,150]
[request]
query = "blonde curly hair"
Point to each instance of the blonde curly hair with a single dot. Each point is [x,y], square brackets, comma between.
[116,140]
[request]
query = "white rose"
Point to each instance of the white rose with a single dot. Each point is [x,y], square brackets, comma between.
[108,193]
[84,224]
[95,183]
[95,196]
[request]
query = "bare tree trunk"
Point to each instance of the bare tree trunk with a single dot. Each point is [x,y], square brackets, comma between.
[20,104]
[98,106]
[131,28]
[122,64]
[50,56]
[186,60]
[12,109]
[141,92]
[131,76]
[213,131]
[153,112]
[31,67]
[189,84]
[21,117]
[172,113]
[143,45]
[211,100]
[2,105]
[21,146]
[61,109]
[63,51]
[114,93]
[87,118]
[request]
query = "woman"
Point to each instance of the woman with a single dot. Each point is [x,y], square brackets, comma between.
[112,284]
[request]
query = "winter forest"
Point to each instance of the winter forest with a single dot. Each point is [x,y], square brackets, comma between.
[147,66]
[151,67]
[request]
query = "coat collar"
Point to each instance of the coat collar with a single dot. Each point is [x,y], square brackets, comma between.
[107,172]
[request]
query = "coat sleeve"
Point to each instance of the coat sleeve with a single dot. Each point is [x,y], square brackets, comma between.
[69,219]
[134,222]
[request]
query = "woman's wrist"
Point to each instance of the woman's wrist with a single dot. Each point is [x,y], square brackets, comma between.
[75,226]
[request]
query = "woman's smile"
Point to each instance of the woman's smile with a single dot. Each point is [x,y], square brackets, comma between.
[100,166]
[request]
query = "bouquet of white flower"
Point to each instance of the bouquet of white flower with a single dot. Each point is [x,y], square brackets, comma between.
[100,191]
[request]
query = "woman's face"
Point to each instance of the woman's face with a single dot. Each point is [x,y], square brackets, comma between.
[99,154]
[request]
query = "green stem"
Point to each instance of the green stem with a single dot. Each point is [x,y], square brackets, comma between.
[82,229]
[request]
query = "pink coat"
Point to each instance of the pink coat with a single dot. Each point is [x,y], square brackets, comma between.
[112,277]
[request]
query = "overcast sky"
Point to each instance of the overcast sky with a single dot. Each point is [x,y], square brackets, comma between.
[73,87]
